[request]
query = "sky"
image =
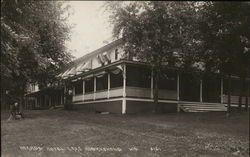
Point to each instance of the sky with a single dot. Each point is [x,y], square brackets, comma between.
[90,27]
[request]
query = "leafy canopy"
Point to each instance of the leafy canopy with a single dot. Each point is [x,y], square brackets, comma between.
[33,35]
[160,33]
[225,30]
[32,40]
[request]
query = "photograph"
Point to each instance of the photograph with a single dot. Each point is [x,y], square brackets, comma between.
[125,78]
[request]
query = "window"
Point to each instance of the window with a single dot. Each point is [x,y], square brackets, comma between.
[102,82]
[116,79]
[89,85]
[78,85]
[138,76]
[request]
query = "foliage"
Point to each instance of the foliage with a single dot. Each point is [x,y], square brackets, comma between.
[157,32]
[32,41]
[225,32]
[226,35]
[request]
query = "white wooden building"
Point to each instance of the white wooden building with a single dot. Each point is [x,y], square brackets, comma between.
[108,80]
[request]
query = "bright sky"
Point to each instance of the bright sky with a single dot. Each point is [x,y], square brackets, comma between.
[91,27]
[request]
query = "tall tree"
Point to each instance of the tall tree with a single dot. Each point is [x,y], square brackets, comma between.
[225,31]
[159,33]
[32,41]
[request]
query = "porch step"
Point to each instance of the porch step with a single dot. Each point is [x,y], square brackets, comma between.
[190,107]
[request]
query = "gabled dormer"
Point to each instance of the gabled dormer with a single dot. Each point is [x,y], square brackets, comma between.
[107,54]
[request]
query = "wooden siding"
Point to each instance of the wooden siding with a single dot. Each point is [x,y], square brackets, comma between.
[143,106]
[116,92]
[168,94]
[201,107]
[101,94]
[110,106]
[89,96]
[235,99]
[77,98]
[138,92]
[146,93]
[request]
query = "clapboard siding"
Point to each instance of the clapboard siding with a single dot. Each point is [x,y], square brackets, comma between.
[77,98]
[116,92]
[101,94]
[138,92]
[202,107]
[89,96]
[234,99]
[167,94]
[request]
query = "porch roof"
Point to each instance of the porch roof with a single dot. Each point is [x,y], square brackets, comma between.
[48,90]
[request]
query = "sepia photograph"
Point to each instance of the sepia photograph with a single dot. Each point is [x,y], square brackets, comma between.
[125,78]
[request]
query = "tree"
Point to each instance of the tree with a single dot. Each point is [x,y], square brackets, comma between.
[32,41]
[159,33]
[225,31]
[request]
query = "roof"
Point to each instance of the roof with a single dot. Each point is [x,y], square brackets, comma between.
[96,52]
[84,59]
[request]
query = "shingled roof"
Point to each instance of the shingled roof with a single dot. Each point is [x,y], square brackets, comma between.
[92,54]
[96,52]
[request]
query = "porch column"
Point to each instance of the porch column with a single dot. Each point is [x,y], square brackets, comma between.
[49,96]
[94,87]
[39,101]
[221,90]
[200,90]
[83,89]
[64,94]
[45,100]
[35,103]
[61,99]
[124,90]
[178,92]
[152,85]
[108,85]
[74,91]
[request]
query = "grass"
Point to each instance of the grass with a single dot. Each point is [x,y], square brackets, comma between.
[61,133]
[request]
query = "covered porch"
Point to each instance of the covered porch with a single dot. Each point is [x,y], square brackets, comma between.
[127,87]
[44,99]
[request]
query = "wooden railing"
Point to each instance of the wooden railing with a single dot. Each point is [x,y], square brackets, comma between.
[101,94]
[168,94]
[115,92]
[235,99]
[138,92]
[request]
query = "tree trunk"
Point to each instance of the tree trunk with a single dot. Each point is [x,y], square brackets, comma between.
[246,105]
[21,103]
[242,80]
[247,94]
[229,95]
[21,98]
[156,90]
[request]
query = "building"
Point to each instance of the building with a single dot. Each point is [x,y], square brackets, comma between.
[46,98]
[108,80]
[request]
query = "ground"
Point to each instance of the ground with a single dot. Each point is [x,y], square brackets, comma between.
[61,133]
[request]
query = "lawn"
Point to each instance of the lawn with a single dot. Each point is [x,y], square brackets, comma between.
[61,133]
